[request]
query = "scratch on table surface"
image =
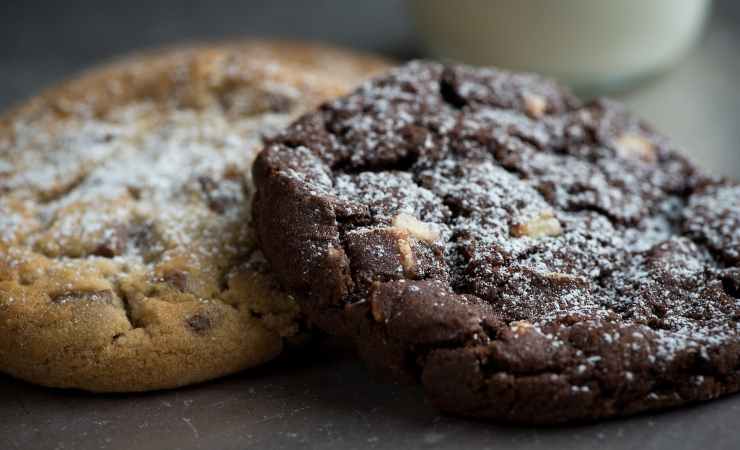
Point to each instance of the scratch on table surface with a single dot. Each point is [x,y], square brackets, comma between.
[267,419]
[282,415]
[189,423]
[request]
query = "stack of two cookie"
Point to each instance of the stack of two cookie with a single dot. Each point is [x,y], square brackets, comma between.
[523,255]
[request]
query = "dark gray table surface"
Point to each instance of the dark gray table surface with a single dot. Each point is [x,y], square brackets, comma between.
[326,400]
[320,402]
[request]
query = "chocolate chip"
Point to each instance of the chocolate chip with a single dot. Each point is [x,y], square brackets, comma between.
[177,279]
[218,199]
[134,192]
[199,323]
[142,234]
[207,184]
[277,103]
[113,243]
[119,236]
[105,296]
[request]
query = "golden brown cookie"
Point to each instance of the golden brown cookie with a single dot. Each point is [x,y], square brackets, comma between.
[126,260]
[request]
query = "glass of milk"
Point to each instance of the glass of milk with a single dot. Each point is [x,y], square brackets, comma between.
[593,45]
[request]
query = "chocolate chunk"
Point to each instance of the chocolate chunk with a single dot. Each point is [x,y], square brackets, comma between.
[107,297]
[113,242]
[177,278]
[223,194]
[199,323]
[277,103]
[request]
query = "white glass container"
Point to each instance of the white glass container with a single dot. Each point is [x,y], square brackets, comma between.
[592,45]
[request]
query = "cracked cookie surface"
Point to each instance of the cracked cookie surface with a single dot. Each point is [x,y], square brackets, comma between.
[126,259]
[525,256]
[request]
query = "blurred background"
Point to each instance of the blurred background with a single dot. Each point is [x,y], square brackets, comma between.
[696,101]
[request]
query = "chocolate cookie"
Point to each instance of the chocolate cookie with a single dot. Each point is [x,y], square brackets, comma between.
[527,257]
[126,262]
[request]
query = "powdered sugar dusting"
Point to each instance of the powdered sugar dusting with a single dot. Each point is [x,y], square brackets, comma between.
[145,181]
[632,248]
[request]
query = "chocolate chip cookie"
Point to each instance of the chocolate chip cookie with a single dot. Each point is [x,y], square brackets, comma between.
[126,260]
[526,256]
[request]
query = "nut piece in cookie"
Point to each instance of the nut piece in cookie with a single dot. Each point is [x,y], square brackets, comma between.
[426,232]
[635,146]
[535,105]
[543,225]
